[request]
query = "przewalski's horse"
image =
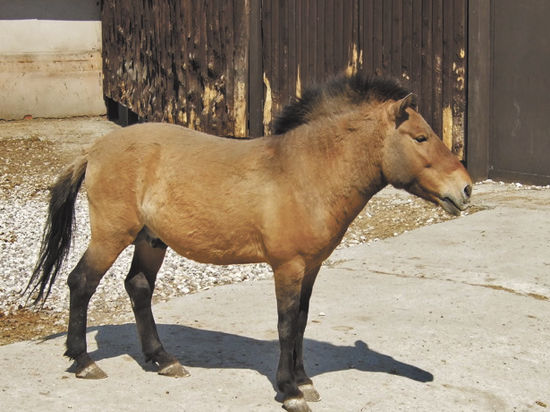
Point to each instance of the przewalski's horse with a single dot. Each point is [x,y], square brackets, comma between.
[285,199]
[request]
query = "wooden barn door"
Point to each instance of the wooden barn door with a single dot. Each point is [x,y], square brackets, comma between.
[520,97]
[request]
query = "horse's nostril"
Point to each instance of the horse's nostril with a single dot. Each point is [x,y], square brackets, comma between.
[468,191]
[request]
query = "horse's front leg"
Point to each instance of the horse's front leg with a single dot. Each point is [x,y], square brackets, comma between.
[302,379]
[288,284]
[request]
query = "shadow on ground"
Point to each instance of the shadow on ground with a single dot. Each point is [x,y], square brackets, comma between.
[202,348]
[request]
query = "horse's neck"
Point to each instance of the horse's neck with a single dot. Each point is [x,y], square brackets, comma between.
[340,161]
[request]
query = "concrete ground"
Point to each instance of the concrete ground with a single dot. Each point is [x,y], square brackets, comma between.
[449,317]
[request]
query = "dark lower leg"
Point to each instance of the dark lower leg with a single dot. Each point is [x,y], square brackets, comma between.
[140,284]
[302,379]
[288,280]
[140,293]
[293,397]
[82,281]
[305,384]
[286,380]
[305,295]
[299,370]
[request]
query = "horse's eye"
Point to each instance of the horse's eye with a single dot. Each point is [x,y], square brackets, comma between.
[421,139]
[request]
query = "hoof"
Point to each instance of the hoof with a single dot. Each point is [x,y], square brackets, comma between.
[174,370]
[310,393]
[296,405]
[91,371]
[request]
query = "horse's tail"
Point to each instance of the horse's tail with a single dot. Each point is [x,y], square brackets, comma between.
[56,239]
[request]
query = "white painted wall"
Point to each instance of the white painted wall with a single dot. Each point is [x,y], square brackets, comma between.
[50,58]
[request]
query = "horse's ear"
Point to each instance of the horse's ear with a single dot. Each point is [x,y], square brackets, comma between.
[400,108]
[408,101]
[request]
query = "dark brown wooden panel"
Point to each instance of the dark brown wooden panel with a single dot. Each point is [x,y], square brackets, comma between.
[421,43]
[322,43]
[479,85]
[183,62]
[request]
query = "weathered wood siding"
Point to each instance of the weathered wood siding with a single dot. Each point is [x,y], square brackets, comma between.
[179,61]
[229,66]
[419,42]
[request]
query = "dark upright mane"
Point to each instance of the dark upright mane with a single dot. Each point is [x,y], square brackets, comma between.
[345,91]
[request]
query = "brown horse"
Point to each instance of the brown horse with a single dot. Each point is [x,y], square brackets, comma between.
[285,199]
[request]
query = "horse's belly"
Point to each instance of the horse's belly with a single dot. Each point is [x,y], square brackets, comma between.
[212,220]
[216,247]
[220,257]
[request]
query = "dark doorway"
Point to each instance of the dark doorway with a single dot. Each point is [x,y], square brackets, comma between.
[509,90]
[521,91]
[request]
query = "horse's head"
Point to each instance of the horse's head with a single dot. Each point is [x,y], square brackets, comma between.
[415,159]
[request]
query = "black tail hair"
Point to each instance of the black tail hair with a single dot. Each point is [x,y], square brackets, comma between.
[56,239]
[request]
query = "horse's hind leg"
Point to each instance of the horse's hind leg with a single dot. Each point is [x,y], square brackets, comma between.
[140,284]
[83,281]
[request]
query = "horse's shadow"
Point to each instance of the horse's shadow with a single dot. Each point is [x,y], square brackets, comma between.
[213,349]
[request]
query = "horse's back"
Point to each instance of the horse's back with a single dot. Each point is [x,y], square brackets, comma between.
[144,137]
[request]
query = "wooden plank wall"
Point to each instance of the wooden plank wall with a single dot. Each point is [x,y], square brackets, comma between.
[304,43]
[181,61]
[422,43]
[188,61]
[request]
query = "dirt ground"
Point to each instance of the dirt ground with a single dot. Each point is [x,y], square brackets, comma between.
[33,152]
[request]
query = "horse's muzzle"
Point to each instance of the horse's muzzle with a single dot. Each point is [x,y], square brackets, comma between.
[455,203]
